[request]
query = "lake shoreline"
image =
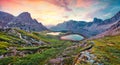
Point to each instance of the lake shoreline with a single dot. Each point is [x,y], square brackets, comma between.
[68,34]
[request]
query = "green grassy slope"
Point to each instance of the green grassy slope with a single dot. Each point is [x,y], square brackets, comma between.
[51,49]
[107,50]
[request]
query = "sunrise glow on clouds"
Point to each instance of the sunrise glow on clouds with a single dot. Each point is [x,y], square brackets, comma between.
[52,12]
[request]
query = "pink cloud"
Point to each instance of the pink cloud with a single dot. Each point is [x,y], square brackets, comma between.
[61,3]
[84,3]
[8,2]
[68,3]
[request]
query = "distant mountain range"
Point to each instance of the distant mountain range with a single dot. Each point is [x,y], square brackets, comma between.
[88,29]
[23,21]
[96,28]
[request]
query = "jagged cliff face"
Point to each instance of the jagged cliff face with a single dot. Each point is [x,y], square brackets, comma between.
[113,30]
[89,29]
[23,21]
[115,26]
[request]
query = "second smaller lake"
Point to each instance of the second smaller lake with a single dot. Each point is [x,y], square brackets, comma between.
[53,33]
[73,37]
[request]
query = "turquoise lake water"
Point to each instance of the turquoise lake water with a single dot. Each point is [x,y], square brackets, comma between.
[74,37]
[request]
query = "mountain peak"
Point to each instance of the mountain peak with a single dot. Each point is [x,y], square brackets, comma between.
[97,20]
[25,14]
[23,21]
[117,15]
[118,12]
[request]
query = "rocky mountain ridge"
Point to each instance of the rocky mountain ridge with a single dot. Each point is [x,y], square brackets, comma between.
[112,31]
[23,21]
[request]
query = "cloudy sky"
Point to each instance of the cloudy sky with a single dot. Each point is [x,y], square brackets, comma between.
[52,12]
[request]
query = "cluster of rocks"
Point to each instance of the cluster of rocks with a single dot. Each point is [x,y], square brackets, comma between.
[84,57]
[65,54]
[56,61]
[88,57]
[12,51]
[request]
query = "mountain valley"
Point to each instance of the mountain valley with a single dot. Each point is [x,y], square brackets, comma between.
[25,41]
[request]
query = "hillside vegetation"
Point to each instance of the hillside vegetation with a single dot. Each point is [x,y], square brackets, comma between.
[107,50]
[18,47]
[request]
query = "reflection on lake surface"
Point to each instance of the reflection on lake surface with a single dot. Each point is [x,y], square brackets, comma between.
[73,37]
